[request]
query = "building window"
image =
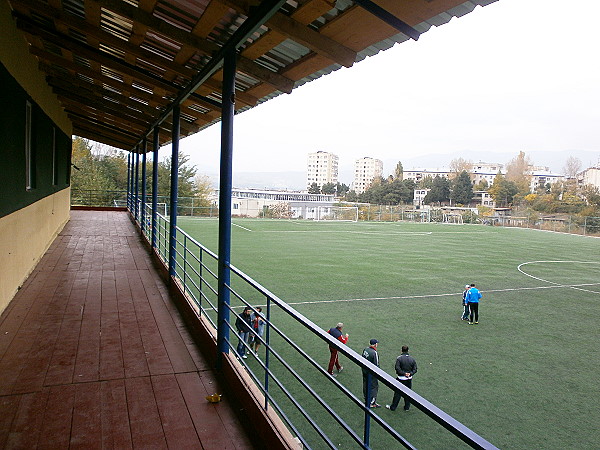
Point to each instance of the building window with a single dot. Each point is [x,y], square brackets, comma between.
[29,169]
[54,159]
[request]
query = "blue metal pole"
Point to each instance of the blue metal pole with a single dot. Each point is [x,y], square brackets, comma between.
[367,429]
[155,144]
[174,187]
[137,182]
[227,112]
[129,181]
[143,210]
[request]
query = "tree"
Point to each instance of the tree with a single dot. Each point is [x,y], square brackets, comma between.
[518,170]
[426,182]
[204,189]
[351,196]
[572,167]
[440,191]
[185,178]
[342,189]
[328,188]
[462,189]
[482,185]
[314,189]
[503,190]
[98,168]
[399,172]
[458,165]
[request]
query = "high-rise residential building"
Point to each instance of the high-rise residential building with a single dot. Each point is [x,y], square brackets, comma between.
[322,168]
[365,170]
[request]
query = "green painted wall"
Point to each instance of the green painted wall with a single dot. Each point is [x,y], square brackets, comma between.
[13,192]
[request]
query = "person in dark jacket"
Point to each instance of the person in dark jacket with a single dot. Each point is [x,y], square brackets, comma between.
[336,332]
[406,367]
[371,355]
[465,314]
[243,323]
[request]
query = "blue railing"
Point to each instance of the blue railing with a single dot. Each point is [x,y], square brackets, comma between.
[294,384]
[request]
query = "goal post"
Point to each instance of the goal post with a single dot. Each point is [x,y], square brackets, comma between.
[161,208]
[337,213]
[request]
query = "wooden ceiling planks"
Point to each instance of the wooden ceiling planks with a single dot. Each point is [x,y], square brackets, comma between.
[116,66]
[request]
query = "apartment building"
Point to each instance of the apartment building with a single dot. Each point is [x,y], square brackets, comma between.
[322,168]
[485,171]
[590,176]
[365,170]
[418,174]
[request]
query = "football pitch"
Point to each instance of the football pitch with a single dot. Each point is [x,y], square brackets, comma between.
[525,377]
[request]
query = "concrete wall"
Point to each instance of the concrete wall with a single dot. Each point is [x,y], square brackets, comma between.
[29,229]
[25,235]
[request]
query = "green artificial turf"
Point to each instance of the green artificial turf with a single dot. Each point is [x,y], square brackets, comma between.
[525,377]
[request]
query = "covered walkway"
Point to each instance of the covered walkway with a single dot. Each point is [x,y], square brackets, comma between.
[94,354]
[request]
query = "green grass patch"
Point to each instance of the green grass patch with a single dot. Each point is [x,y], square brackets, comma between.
[525,377]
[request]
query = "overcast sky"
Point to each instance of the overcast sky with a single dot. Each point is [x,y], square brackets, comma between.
[514,75]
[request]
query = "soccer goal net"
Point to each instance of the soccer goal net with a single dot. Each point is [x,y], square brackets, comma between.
[337,213]
[453,218]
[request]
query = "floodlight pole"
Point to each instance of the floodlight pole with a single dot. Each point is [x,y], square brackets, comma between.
[227,113]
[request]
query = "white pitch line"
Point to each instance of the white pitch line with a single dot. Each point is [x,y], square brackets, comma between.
[409,297]
[548,262]
[423,233]
[239,226]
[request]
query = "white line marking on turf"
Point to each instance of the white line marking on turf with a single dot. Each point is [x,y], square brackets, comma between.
[239,226]
[552,282]
[408,297]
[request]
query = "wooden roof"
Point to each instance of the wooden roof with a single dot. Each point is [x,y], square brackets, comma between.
[117,65]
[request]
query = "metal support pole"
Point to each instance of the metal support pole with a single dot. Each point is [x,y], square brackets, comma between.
[136,183]
[128,179]
[155,145]
[174,187]
[143,210]
[227,113]
[367,426]
[131,188]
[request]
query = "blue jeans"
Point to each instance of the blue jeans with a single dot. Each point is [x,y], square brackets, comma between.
[241,348]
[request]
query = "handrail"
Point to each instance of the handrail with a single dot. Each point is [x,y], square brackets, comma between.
[194,273]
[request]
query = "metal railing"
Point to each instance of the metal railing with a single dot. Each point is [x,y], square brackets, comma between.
[93,197]
[294,384]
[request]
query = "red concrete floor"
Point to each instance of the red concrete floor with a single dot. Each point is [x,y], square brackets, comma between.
[93,353]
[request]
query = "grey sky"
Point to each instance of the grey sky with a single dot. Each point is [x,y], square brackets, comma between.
[515,75]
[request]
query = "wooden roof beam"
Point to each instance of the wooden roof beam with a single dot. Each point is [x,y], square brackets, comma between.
[183,37]
[299,32]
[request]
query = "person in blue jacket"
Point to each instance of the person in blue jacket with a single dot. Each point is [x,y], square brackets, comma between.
[473,297]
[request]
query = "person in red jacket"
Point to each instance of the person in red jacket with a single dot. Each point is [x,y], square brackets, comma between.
[336,332]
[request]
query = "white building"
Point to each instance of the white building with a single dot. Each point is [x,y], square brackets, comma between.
[365,170]
[418,197]
[541,176]
[484,199]
[590,176]
[253,202]
[322,168]
[485,171]
[418,174]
